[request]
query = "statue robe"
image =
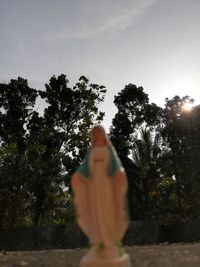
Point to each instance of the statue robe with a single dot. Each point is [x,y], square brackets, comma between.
[99,199]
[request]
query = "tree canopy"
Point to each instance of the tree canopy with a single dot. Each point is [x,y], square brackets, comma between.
[39,153]
[159,148]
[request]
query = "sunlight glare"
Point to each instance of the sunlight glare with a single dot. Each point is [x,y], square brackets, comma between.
[187,106]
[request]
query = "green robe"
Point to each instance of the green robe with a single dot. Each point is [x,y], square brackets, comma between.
[114,164]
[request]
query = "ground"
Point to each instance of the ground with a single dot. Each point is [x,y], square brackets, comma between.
[165,255]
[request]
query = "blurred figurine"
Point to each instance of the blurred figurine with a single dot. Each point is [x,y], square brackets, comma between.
[99,187]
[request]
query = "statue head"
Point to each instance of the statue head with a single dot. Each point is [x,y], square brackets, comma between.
[99,136]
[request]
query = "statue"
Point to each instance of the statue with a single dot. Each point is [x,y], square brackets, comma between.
[99,187]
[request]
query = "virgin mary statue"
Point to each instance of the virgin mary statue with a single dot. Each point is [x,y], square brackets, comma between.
[99,187]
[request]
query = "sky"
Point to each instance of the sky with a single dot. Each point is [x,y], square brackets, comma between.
[150,43]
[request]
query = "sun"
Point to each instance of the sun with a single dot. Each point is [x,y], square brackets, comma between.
[187,106]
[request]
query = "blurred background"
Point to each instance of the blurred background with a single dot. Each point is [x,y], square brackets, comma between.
[130,65]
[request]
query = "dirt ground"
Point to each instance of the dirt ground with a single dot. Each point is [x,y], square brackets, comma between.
[165,255]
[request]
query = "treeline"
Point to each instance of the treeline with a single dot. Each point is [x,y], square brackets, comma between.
[159,148]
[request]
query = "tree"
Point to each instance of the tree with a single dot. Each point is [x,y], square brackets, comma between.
[134,111]
[38,152]
[180,133]
[17,101]
[63,132]
[71,113]
[146,154]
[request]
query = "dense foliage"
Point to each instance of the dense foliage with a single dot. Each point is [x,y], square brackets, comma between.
[159,149]
[38,153]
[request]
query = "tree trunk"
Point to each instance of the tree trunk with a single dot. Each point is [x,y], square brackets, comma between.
[40,197]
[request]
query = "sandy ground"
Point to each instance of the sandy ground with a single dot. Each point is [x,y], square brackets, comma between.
[165,255]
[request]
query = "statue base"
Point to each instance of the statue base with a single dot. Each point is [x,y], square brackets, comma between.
[122,261]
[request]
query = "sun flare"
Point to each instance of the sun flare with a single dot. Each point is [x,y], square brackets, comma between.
[187,106]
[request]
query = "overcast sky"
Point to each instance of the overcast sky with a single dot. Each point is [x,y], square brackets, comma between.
[150,43]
